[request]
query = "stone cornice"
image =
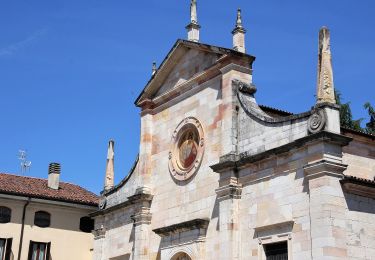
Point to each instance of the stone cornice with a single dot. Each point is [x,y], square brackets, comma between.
[182,227]
[138,198]
[324,168]
[230,191]
[233,161]
[358,186]
[99,233]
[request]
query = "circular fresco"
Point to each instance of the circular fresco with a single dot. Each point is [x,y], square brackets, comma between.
[187,149]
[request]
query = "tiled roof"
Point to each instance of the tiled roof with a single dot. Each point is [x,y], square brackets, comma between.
[358,180]
[355,131]
[275,110]
[38,188]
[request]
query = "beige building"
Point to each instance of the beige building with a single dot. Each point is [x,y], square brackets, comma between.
[220,177]
[44,219]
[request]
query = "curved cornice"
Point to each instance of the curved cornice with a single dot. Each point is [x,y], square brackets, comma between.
[123,181]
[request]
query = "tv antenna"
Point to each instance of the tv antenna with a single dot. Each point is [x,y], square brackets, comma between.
[25,164]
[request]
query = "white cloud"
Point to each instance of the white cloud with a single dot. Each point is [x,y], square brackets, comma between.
[11,49]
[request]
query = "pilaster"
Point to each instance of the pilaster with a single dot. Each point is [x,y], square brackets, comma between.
[99,237]
[229,194]
[232,74]
[145,150]
[142,220]
[327,208]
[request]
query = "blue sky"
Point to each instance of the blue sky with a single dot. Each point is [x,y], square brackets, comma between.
[71,70]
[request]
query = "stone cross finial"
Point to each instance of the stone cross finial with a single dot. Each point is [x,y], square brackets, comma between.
[154,69]
[109,171]
[193,27]
[325,86]
[239,34]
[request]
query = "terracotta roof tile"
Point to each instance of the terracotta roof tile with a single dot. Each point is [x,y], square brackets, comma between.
[38,188]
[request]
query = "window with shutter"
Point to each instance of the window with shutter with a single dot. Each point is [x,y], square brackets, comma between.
[5,248]
[2,248]
[39,251]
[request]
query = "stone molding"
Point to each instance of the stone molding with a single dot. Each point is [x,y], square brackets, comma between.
[142,201]
[154,83]
[252,109]
[230,191]
[140,197]
[317,121]
[288,225]
[123,181]
[236,67]
[177,172]
[142,217]
[200,224]
[234,161]
[358,186]
[99,233]
[244,87]
[324,168]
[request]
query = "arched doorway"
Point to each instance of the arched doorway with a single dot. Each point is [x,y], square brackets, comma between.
[181,256]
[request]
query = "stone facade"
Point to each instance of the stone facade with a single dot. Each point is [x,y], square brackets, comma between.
[264,178]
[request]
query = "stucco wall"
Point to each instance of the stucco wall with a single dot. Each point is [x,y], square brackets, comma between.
[67,241]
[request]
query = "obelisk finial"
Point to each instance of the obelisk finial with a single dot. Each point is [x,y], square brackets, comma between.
[325,86]
[239,19]
[193,27]
[109,171]
[154,69]
[193,12]
[239,34]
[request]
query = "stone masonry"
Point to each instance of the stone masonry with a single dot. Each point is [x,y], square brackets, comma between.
[265,177]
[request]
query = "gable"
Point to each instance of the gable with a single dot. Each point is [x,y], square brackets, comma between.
[186,60]
[191,63]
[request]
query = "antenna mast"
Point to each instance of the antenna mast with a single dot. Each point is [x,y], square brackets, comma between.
[25,164]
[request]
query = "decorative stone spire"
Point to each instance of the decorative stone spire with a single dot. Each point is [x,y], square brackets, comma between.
[109,171]
[154,69]
[193,27]
[239,34]
[325,86]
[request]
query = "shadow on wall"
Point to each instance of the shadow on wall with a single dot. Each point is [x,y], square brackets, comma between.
[359,203]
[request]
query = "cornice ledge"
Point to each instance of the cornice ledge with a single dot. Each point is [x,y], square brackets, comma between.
[229,191]
[236,67]
[288,223]
[358,186]
[141,196]
[182,227]
[234,161]
[324,168]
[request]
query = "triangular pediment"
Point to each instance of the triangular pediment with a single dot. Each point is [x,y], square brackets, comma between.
[192,62]
[185,60]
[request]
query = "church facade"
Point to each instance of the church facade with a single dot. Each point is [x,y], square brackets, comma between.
[220,177]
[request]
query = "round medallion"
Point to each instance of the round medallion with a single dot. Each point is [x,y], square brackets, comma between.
[187,149]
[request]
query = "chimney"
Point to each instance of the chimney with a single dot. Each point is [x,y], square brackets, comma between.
[193,27]
[109,171]
[239,34]
[54,170]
